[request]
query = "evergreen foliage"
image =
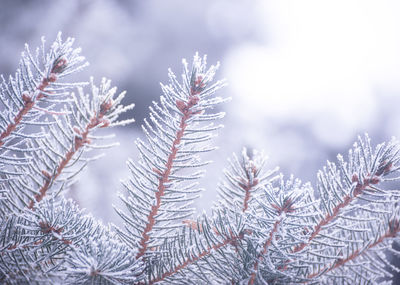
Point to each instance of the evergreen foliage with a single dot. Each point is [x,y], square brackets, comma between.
[264,229]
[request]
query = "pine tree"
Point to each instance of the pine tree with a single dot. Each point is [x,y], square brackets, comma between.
[264,229]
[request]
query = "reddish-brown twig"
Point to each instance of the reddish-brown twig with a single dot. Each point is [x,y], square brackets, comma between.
[394,229]
[360,187]
[384,169]
[186,263]
[185,108]
[287,207]
[81,138]
[29,102]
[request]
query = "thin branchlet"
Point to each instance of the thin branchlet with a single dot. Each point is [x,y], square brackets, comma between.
[193,259]
[39,236]
[176,134]
[186,109]
[80,140]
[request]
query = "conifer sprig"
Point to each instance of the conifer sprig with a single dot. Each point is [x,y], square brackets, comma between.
[98,110]
[36,80]
[160,190]
[343,235]
[245,178]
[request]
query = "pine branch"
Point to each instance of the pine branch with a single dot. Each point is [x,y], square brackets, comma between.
[33,85]
[360,187]
[244,179]
[204,253]
[159,196]
[393,229]
[58,156]
[267,244]
[34,241]
[35,82]
[354,206]
[284,214]
[35,246]
[99,119]
[59,242]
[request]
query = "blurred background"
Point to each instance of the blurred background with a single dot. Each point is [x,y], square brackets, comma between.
[305,77]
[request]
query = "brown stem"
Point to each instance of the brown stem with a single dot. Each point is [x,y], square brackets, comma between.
[187,113]
[58,66]
[360,187]
[394,229]
[231,240]
[264,251]
[286,207]
[80,140]
[247,186]
[45,228]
